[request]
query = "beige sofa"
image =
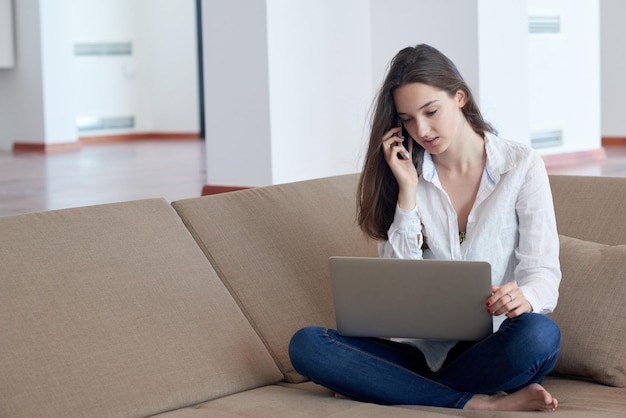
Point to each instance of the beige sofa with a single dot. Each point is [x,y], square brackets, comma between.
[144,308]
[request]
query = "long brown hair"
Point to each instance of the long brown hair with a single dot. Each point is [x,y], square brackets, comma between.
[377,193]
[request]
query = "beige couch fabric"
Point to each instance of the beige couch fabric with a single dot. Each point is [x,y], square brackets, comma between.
[271,247]
[578,399]
[283,402]
[592,312]
[114,311]
[586,208]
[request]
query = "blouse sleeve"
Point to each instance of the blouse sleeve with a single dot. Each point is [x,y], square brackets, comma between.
[405,237]
[538,271]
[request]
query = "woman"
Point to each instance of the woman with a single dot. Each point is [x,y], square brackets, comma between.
[456,191]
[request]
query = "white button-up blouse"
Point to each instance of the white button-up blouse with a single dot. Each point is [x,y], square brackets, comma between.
[511,225]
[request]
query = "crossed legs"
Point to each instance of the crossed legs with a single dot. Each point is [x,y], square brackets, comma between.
[513,360]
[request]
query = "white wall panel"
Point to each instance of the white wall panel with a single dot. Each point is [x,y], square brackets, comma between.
[7,52]
[319,78]
[613,67]
[565,75]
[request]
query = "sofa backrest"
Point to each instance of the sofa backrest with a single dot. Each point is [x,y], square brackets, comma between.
[113,310]
[271,245]
[590,208]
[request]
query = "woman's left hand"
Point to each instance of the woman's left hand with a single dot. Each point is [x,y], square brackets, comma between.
[508,299]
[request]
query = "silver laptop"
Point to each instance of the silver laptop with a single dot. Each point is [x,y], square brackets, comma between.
[430,299]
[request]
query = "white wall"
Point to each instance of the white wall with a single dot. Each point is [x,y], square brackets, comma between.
[49,87]
[565,75]
[503,64]
[7,53]
[243,50]
[21,89]
[613,67]
[237,109]
[449,25]
[167,52]
[287,90]
[57,74]
[319,80]
[104,86]
[158,83]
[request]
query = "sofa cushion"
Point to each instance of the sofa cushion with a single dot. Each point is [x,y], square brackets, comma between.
[586,207]
[577,399]
[591,311]
[277,401]
[271,245]
[113,310]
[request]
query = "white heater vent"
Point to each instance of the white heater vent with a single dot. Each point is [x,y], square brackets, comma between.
[103,123]
[546,138]
[544,24]
[103,48]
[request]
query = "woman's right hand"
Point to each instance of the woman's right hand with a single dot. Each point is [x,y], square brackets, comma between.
[402,168]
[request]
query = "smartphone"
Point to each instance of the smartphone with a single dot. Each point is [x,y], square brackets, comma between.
[404,135]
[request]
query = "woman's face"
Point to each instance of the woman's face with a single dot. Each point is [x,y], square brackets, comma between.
[430,115]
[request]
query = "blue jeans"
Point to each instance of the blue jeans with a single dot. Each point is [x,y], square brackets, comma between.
[521,352]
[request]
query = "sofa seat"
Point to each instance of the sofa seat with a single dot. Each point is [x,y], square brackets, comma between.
[578,399]
[294,400]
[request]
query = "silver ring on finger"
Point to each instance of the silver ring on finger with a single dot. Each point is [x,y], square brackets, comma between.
[510,297]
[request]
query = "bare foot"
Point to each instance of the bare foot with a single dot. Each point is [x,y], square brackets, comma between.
[531,398]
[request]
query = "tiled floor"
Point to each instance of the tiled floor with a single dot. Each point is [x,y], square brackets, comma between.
[105,173]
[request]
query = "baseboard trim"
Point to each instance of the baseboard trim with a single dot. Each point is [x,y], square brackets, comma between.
[208,189]
[138,136]
[19,147]
[614,141]
[578,157]
[44,148]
